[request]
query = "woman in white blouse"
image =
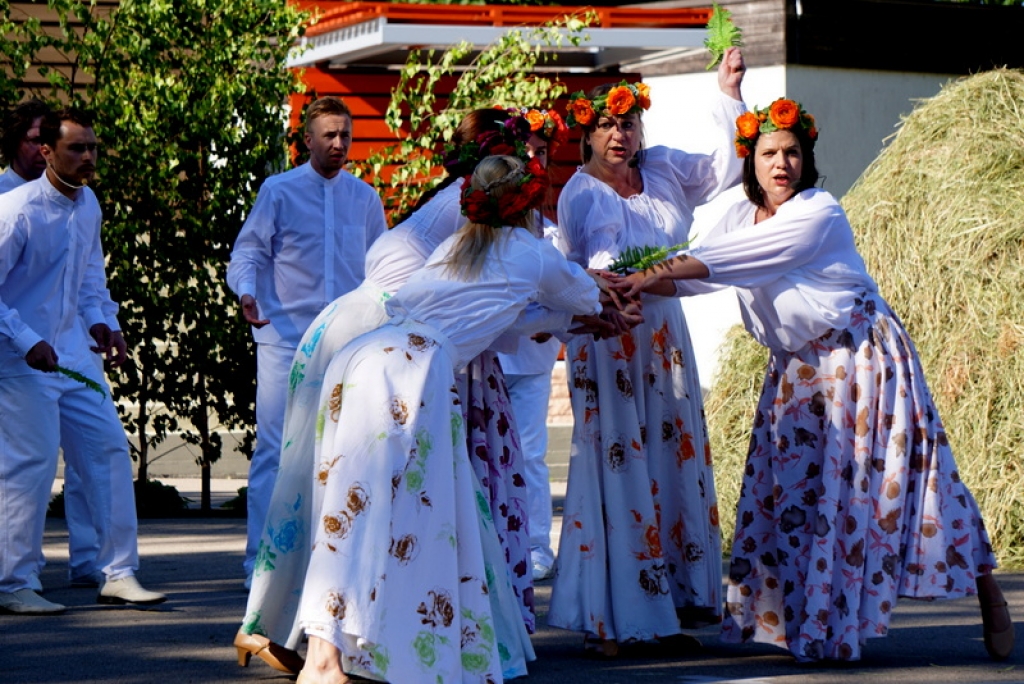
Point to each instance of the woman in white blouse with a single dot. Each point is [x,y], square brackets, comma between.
[271,630]
[851,496]
[639,557]
[397,584]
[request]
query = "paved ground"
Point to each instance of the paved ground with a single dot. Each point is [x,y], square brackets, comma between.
[197,562]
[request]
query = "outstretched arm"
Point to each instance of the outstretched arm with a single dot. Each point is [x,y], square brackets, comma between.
[658,278]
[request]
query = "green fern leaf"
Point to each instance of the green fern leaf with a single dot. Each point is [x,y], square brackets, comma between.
[722,34]
[75,375]
[640,258]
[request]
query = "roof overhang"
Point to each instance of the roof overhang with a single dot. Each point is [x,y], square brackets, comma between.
[380,35]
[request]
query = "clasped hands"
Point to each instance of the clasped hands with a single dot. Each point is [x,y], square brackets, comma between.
[618,313]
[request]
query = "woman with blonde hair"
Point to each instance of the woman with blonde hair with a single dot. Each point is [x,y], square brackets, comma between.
[397,585]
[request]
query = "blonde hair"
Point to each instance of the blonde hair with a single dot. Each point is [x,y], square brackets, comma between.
[495,176]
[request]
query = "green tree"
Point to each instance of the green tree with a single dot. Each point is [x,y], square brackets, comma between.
[495,77]
[190,102]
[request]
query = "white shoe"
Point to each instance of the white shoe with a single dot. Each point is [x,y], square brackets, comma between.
[128,590]
[28,602]
[541,572]
[34,584]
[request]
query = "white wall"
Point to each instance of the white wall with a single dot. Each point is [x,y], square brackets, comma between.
[856,111]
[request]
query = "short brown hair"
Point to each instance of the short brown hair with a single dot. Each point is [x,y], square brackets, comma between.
[326,106]
[49,129]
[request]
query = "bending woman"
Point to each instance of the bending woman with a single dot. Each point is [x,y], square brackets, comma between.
[851,497]
[396,582]
[271,630]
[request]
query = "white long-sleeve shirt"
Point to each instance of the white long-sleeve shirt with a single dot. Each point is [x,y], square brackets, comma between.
[797,273]
[520,269]
[596,223]
[51,275]
[303,245]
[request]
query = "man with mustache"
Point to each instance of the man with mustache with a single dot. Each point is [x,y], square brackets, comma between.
[303,245]
[52,281]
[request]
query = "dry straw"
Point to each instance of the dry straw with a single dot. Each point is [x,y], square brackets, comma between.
[939,219]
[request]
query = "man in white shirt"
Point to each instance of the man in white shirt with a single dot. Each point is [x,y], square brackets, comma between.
[303,245]
[51,281]
[21,152]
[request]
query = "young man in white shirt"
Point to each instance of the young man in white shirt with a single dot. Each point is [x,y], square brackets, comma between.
[302,246]
[53,299]
[21,151]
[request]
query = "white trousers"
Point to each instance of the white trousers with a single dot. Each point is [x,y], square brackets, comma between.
[273,368]
[530,395]
[38,413]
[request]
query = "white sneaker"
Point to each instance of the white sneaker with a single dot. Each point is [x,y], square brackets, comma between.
[128,590]
[542,572]
[28,602]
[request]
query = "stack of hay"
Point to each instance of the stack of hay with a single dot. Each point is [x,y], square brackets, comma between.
[939,219]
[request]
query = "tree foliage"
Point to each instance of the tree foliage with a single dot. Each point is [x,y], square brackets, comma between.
[423,122]
[189,97]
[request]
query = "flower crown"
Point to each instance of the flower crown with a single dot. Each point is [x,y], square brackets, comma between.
[480,207]
[547,123]
[510,140]
[625,98]
[781,115]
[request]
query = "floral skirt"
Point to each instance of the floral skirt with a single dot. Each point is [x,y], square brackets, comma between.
[404,575]
[283,555]
[850,496]
[640,538]
[497,459]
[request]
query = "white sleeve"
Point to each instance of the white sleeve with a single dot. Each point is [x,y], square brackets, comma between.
[563,285]
[755,255]
[254,245]
[12,242]
[590,221]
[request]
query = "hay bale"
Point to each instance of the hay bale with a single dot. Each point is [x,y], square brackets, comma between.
[939,219]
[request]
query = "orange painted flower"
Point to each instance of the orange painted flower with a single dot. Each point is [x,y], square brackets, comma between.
[536,120]
[653,539]
[620,100]
[644,91]
[582,111]
[747,125]
[784,113]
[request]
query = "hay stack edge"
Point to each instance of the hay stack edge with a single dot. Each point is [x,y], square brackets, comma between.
[939,219]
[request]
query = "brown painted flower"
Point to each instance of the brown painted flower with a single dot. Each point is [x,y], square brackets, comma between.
[358,499]
[335,403]
[335,605]
[338,524]
[405,548]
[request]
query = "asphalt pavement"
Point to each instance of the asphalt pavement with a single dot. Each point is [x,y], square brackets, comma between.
[197,561]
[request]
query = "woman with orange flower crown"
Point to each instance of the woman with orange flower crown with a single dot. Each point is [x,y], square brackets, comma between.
[851,496]
[639,558]
[397,586]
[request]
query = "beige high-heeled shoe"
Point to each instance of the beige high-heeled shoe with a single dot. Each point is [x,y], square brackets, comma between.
[276,656]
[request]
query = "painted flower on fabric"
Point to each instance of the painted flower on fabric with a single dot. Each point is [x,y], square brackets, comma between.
[426,648]
[288,534]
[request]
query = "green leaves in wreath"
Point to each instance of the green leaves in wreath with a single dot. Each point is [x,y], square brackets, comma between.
[635,259]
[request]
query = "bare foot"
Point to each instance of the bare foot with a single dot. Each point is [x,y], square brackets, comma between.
[323,664]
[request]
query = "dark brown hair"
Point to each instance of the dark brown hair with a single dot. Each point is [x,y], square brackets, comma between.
[808,174]
[49,129]
[15,127]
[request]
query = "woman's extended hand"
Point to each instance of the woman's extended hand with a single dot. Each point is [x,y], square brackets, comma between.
[630,286]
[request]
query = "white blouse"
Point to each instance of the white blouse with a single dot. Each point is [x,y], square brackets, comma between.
[519,270]
[797,273]
[597,223]
[403,250]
